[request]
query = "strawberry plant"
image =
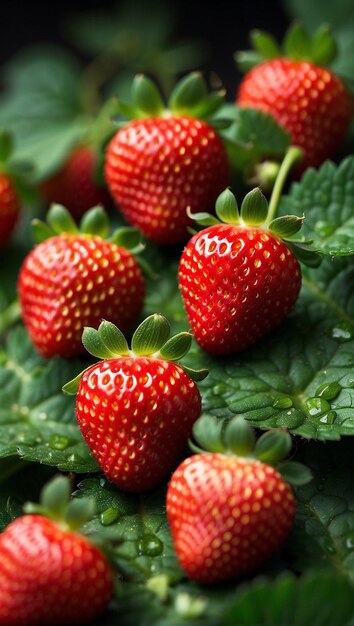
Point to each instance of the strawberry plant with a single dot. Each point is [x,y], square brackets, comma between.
[157,452]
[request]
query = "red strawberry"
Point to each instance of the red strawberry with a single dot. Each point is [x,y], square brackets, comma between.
[308,100]
[74,185]
[229,511]
[136,408]
[239,281]
[74,279]
[161,164]
[50,574]
[9,209]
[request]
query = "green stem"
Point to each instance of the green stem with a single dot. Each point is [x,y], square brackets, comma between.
[292,155]
[8,317]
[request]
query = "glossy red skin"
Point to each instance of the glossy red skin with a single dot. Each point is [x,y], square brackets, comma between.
[74,186]
[71,281]
[227,515]
[50,576]
[158,167]
[136,414]
[9,209]
[237,284]
[310,102]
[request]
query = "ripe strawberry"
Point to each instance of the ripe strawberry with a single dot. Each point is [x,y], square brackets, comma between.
[75,278]
[167,160]
[74,185]
[9,209]
[308,100]
[136,408]
[228,510]
[239,280]
[50,574]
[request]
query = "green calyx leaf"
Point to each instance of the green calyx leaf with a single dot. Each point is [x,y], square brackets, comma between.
[203,219]
[273,446]
[226,208]
[146,96]
[151,335]
[60,220]
[176,347]
[129,238]
[71,387]
[305,253]
[207,432]
[239,436]
[298,45]
[265,44]
[196,375]
[41,231]
[286,226]
[56,504]
[95,222]
[295,473]
[113,338]
[188,93]
[254,208]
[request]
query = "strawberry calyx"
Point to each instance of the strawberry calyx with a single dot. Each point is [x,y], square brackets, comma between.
[56,504]
[255,211]
[319,49]
[190,97]
[235,437]
[151,339]
[94,223]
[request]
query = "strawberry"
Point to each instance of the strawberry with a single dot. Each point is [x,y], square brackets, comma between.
[239,279]
[9,209]
[167,160]
[74,278]
[307,99]
[229,509]
[74,185]
[49,573]
[136,407]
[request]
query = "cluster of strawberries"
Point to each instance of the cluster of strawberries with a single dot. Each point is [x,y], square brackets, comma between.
[229,508]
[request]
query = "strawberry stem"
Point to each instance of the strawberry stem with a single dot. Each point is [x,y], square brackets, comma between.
[292,155]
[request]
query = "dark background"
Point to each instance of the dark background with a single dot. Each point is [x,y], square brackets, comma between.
[224,26]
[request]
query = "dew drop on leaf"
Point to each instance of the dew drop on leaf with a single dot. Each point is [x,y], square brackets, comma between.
[328,391]
[109,516]
[316,407]
[283,402]
[341,332]
[59,442]
[328,418]
[349,542]
[150,545]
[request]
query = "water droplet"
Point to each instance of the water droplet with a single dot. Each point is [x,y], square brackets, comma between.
[341,332]
[283,402]
[328,418]
[26,440]
[315,407]
[109,516]
[324,228]
[349,542]
[328,391]
[150,545]
[59,442]
[103,482]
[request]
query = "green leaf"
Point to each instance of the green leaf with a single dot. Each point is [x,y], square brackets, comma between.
[286,226]
[247,59]
[41,107]
[207,431]
[176,347]
[273,446]
[95,222]
[94,344]
[188,93]
[290,600]
[151,335]
[142,525]
[226,208]
[37,421]
[265,44]
[326,198]
[113,338]
[254,208]
[6,145]
[297,43]
[60,220]
[324,47]
[146,96]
